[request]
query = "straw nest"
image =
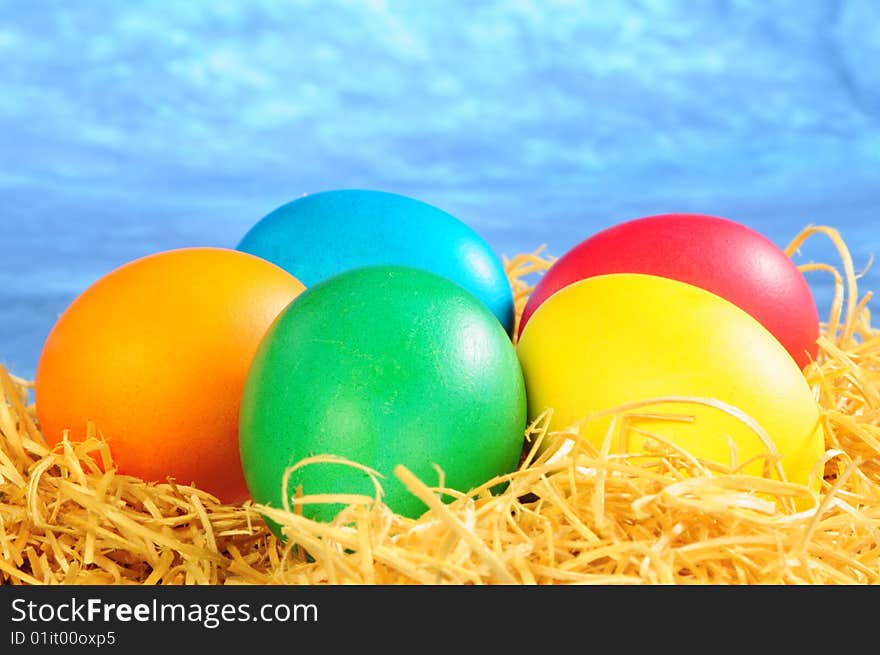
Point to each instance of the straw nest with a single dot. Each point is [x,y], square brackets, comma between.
[576,515]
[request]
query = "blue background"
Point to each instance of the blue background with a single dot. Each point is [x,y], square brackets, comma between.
[128,128]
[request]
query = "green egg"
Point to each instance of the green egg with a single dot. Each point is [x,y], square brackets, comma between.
[382,365]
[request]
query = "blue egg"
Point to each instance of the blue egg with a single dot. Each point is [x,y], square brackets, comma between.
[323,234]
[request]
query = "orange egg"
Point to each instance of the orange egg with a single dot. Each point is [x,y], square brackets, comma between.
[155,354]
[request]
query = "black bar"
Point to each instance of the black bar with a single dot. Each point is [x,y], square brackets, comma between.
[109,618]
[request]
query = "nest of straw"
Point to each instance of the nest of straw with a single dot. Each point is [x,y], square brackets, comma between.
[567,515]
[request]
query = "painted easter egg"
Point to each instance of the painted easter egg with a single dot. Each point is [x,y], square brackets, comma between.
[716,254]
[676,361]
[382,365]
[322,234]
[155,354]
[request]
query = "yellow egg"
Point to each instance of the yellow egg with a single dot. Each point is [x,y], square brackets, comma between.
[689,367]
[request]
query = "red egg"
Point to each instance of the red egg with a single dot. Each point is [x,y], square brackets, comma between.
[722,256]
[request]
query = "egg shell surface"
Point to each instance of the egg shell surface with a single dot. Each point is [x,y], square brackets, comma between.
[716,254]
[615,344]
[382,366]
[322,234]
[155,354]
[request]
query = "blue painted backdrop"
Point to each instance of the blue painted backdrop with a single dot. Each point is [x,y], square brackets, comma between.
[127,128]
